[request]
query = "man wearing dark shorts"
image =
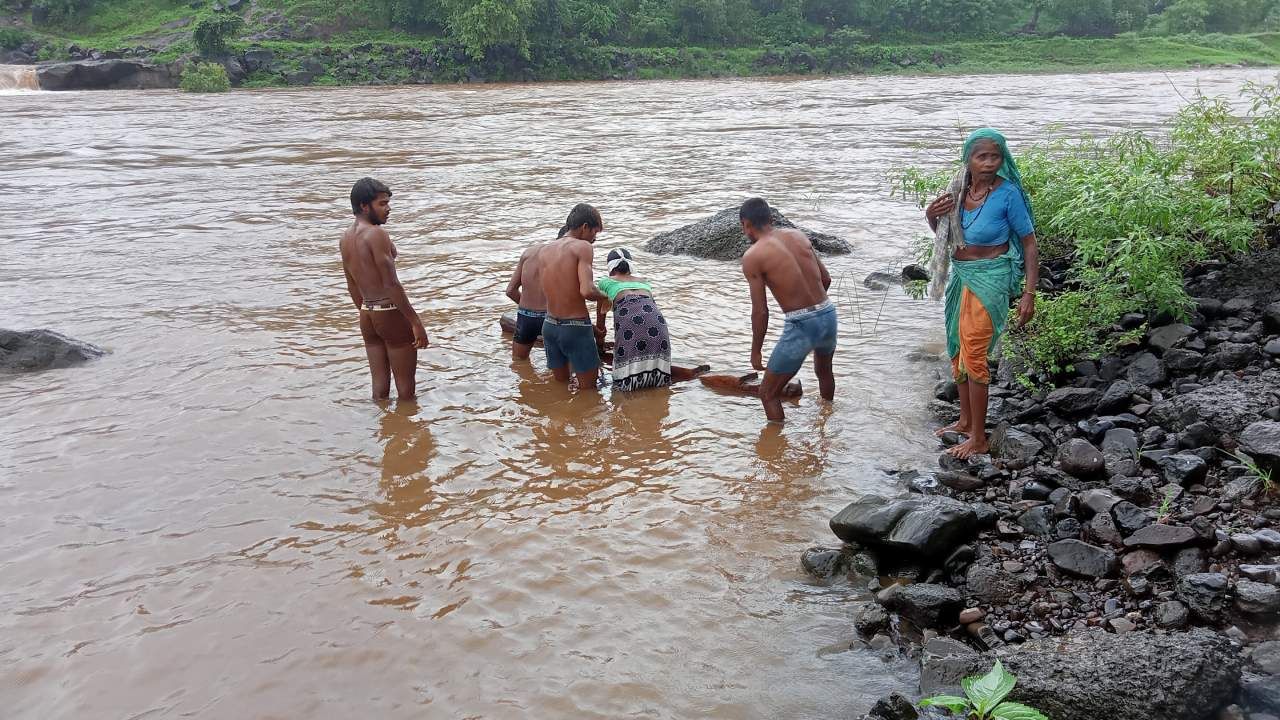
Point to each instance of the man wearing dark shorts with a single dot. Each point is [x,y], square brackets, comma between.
[568,334]
[392,332]
[525,290]
[784,261]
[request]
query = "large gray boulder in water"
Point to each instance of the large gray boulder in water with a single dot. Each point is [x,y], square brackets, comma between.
[1135,676]
[720,237]
[107,75]
[30,350]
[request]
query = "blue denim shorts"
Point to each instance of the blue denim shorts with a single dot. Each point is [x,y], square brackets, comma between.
[570,342]
[808,330]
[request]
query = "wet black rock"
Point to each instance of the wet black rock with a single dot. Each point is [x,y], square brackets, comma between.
[720,237]
[1073,401]
[1205,594]
[1183,361]
[1271,318]
[1162,537]
[916,528]
[822,562]
[1037,520]
[1183,468]
[1261,692]
[1080,458]
[1080,558]
[1118,397]
[1262,440]
[1099,675]
[1172,615]
[869,618]
[1146,369]
[1188,561]
[894,707]
[1235,356]
[1255,598]
[991,585]
[1012,444]
[107,75]
[1129,517]
[1099,501]
[1170,336]
[1227,407]
[32,350]
[925,604]
[944,663]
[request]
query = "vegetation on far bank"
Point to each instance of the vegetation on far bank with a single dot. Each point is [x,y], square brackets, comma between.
[1119,219]
[408,41]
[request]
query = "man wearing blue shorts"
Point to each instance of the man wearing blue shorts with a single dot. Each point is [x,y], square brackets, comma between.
[568,335]
[784,261]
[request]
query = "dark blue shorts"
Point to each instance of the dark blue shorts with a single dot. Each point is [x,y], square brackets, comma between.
[570,342]
[809,330]
[528,325]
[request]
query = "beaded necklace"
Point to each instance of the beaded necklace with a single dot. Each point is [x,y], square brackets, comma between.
[978,214]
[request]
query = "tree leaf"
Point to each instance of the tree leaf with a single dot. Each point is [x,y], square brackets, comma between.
[1016,711]
[955,704]
[987,691]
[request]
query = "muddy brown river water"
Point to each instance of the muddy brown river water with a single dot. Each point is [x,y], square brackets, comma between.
[214,521]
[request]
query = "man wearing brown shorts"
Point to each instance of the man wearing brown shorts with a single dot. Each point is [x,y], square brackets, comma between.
[392,332]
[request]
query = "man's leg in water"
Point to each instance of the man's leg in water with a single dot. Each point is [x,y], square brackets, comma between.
[771,394]
[520,352]
[404,366]
[376,350]
[588,380]
[826,376]
[379,369]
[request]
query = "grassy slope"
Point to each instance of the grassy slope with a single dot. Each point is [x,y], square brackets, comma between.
[122,23]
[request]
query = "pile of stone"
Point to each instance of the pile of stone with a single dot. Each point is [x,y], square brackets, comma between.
[1128,505]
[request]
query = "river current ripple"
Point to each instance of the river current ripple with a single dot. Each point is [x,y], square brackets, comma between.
[213,521]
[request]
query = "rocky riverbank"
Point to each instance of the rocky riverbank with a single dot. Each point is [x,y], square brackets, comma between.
[1130,506]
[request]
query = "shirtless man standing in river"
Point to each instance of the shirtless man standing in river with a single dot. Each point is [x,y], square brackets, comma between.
[392,332]
[525,290]
[784,261]
[568,335]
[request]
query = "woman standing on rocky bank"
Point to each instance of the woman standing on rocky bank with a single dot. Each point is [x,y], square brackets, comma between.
[986,234]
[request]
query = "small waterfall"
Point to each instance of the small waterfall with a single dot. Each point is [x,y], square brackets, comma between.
[18,77]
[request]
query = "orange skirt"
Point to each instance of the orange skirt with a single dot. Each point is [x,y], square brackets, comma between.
[976,332]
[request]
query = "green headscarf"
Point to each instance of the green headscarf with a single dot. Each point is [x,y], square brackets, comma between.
[1009,171]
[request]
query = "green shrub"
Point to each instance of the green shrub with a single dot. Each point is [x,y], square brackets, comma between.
[1130,212]
[211,33]
[204,78]
[12,38]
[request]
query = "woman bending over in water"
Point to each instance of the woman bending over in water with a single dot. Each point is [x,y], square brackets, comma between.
[642,347]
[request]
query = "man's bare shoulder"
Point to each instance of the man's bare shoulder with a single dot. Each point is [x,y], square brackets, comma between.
[793,237]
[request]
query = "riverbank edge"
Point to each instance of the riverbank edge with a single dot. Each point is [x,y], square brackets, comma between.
[287,63]
[1115,503]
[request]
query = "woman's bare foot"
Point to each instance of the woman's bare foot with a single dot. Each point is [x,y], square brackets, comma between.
[969,448]
[957,426]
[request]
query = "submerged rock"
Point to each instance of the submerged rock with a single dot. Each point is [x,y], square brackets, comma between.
[107,75]
[720,237]
[925,604]
[31,350]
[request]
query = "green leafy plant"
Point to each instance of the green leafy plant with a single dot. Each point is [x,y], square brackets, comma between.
[1264,475]
[1162,512]
[985,698]
[204,78]
[211,33]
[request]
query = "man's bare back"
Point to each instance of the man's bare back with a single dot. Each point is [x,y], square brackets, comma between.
[566,277]
[790,268]
[525,288]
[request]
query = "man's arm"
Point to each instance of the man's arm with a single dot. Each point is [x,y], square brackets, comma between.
[513,286]
[386,265]
[822,269]
[759,311]
[352,289]
[587,285]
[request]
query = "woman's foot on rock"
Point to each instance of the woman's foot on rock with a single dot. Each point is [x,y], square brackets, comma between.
[953,427]
[969,448]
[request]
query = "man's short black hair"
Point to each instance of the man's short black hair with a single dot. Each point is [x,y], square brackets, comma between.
[756,211]
[365,191]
